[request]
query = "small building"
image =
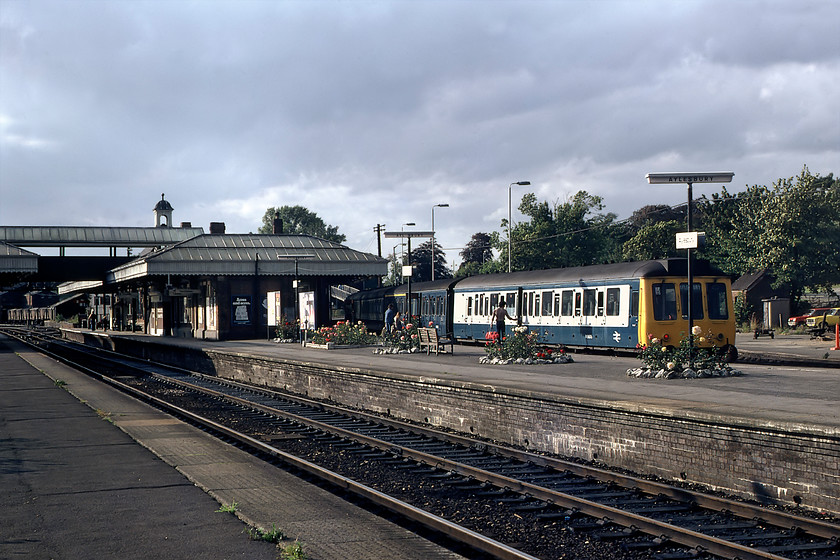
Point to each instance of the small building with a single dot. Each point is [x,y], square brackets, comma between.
[215,286]
[757,288]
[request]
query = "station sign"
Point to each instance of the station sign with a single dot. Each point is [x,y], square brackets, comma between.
[409,234]
[691,239]
[666,178]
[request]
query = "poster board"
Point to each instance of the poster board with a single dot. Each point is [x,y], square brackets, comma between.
[274,308]
[306,310]
[241,310]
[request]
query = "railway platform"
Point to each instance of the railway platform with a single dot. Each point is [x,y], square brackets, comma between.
[771,434]
[75,486]
[788,381]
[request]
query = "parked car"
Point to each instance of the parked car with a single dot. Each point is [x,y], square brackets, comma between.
[825,319]
[800,320]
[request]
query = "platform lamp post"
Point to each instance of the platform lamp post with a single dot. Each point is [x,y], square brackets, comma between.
[510,217]
[433,236]
[407,270]
[690,239]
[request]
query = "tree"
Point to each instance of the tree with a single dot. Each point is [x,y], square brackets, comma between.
[478,250]
[656,240]
[421,258]
[297,220]
[791,229]
[653,214]
[572,233]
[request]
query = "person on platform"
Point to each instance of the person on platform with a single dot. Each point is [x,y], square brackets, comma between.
[390,316]
[499,315]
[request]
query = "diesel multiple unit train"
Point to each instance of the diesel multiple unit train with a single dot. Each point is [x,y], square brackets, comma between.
[609,306]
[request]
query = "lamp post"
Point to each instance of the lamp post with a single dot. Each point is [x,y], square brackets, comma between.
[433,236]
[510,217]
[689,240]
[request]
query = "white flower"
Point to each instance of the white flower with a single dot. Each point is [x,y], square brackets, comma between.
[670,365]
[654,341]
[695,330]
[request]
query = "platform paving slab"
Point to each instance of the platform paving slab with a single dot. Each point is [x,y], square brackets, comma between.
[75,486]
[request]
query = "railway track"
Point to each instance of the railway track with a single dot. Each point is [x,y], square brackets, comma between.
[639,518]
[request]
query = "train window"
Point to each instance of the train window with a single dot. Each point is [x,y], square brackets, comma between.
[530,304]
[589,302]
[547,302]
[537,303]
[557,305]
[439,310]
[510,303]
[494,301]
[634,303]
[664,302]
[566,303]
[469,306]
[613,302]
[696,300]
[578,303]
[716,298]
[600,310]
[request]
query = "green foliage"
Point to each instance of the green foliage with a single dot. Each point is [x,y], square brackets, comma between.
[653,241]
[791,229]
[407,338]
[298,220]
[572,233]
[521,344]
[286,329]
[293,551]
[343,333]
[273,535]
[421,258]
[228,508]
[655,355]
[478,251]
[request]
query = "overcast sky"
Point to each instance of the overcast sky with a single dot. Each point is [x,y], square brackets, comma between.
[371,112]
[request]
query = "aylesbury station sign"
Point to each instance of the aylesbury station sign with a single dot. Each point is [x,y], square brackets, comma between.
[690,239]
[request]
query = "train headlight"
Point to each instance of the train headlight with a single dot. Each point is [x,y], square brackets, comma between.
[666,337]
[720,336]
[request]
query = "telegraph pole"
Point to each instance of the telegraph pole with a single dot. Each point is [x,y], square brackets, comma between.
[379,229]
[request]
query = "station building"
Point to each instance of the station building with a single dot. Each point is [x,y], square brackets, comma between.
[187,283]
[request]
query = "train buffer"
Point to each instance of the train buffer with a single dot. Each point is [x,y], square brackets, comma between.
[432,343]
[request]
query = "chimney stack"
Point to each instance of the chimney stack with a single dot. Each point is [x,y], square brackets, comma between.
[186,224]
[278,224]
[217,228]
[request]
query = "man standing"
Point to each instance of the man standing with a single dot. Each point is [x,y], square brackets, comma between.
[500,314]
[390,315]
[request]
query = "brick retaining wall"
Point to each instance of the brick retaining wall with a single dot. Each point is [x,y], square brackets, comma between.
[762,464]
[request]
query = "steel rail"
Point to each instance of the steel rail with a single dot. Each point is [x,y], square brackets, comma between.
[782,519]
[676,534]
[685,537]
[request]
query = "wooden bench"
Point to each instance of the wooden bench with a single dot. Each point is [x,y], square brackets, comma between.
[432,343]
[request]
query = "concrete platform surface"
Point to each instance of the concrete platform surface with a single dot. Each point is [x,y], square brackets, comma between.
[785,397]
[74,484]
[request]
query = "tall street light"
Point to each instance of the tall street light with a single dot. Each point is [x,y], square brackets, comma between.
[510,217]
[433,236]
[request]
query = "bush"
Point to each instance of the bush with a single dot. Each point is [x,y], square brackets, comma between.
[656,356]
[407,338]
[286,329]
[522,344]
[344,333]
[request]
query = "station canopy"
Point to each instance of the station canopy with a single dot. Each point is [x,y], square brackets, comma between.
[251,254]
[16,260]
[95,236]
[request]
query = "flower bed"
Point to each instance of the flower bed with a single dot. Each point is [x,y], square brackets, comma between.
[685,361]
[521,348]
